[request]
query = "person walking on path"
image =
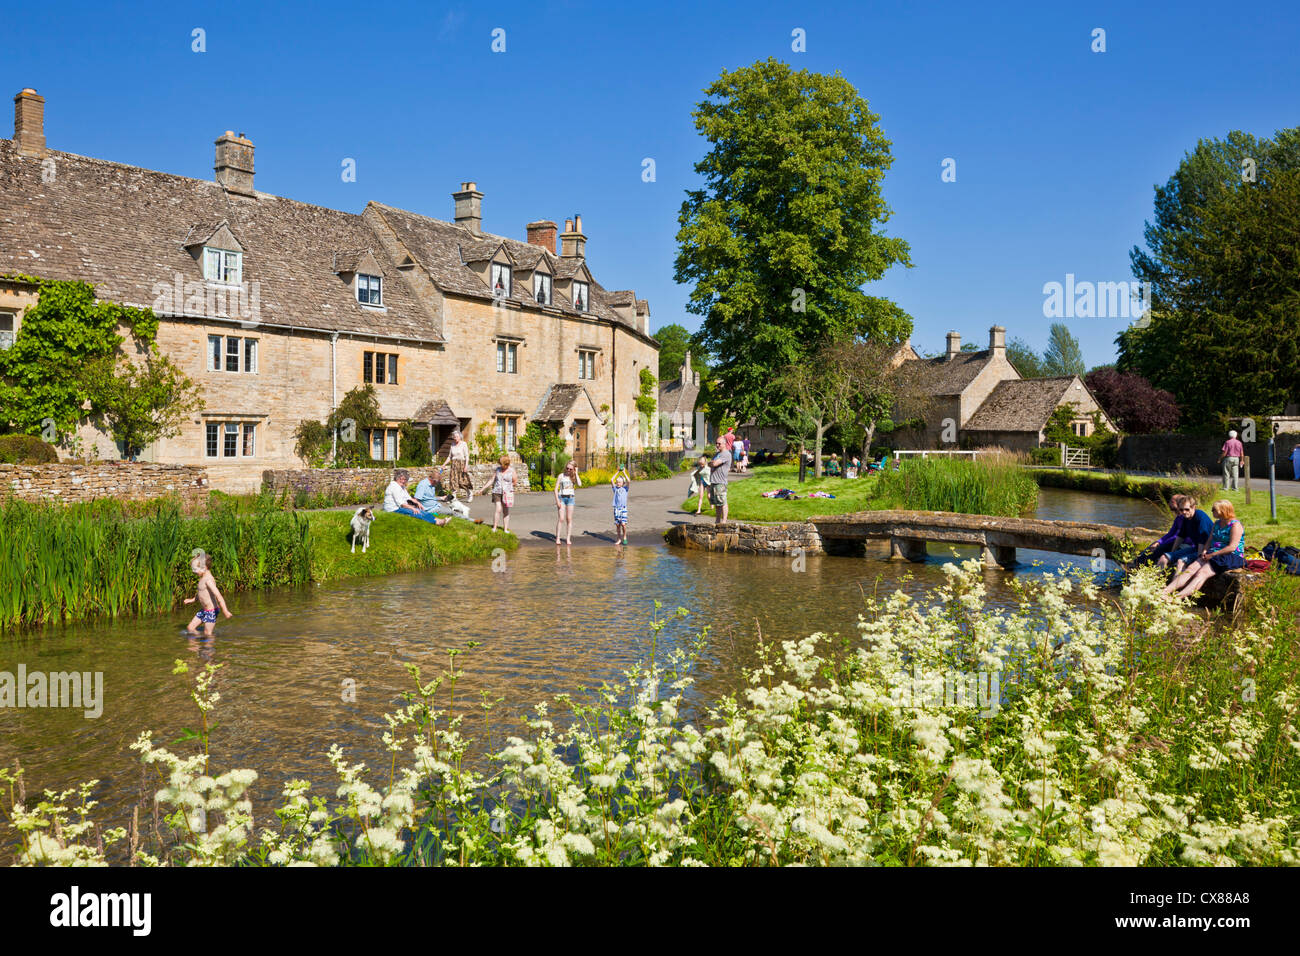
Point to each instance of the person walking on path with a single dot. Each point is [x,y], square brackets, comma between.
[620,481]
[566,486]
[1225,551]
[719,469]
[502,484]
[458,458]
[1231,455]
[699,482]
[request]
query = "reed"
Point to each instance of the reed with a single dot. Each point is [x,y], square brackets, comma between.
[106,560]
[990,485]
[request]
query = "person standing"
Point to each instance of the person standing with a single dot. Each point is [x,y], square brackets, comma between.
[1295,462]
[1231,454]
[620,481]
[699,482]
[502,484]
[719,470]
[458,458]
[566,486]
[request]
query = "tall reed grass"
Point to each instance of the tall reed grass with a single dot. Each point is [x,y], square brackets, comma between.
[990,485]
[105,560]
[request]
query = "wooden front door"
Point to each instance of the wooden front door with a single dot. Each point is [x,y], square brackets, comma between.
[580,443]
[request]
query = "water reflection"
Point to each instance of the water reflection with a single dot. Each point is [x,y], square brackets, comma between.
[552,621]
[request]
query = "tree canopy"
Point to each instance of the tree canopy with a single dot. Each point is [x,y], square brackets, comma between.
[783,234]
[1223,259]
[1132,402]
[674,342]
[1062,355]
[1024,359]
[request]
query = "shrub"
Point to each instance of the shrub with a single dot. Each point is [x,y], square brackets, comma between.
[414,442]
[596,476]
[26,450]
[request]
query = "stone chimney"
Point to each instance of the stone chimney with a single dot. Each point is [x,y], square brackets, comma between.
[234,164]
[469,207]
[542,233]
[954,345]
[29,123]
[573,244]
[686,369]
[998,339]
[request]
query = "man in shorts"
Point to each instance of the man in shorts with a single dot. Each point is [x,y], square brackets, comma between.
[719,469]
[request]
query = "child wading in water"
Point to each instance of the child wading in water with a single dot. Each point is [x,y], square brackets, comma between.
[620,481]
[208,596]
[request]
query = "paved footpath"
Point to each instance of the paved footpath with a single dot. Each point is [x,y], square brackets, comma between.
[652,507]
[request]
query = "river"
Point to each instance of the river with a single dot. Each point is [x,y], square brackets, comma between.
[545,624]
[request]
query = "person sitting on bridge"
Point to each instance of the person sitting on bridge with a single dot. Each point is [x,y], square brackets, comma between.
[1225,551]
[1193,534]
[1169,541]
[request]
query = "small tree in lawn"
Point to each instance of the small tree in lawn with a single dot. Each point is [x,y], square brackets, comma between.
[139,404]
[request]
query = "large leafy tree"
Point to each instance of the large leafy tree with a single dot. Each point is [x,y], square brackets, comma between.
[1062,355]
[784,232]
[1024,359]
[1223,259]
[1133,403]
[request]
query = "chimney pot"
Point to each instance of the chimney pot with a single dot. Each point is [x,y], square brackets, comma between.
[29,123]
[573,244]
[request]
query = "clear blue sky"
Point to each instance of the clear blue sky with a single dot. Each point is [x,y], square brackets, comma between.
[1057,148]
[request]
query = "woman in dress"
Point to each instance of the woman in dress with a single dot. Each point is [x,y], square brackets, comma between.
[458,457]
[502,484]
[1224,551]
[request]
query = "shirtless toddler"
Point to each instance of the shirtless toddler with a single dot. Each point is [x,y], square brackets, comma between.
[208,596]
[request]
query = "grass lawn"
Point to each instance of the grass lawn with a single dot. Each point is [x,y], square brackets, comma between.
[397,543]
[1254,516]
[745,501]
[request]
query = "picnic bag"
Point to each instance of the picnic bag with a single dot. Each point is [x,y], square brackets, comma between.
[1287,559]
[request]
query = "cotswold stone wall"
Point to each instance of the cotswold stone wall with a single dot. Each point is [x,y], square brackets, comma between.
[365,482]
[1185,453]
[773,539]
[126,481]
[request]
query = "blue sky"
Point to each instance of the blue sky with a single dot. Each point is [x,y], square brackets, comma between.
[1057,148]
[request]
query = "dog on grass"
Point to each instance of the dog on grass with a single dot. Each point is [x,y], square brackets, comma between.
[361,522]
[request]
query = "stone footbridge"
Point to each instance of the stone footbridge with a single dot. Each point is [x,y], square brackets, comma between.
[908,532]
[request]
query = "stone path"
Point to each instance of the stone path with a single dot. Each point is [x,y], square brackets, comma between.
[653,507]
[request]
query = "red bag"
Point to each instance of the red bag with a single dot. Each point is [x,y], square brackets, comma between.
[1257,565]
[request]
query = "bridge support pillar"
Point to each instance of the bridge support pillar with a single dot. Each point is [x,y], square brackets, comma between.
[999,556]
[906,548]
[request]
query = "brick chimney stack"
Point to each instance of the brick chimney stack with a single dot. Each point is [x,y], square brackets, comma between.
[542,233]
[29,123]
[469,207]
[954,345]
[234,164]
[573,244]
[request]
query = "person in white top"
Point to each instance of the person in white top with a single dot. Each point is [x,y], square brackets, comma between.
[458,458]
[566,485]
[397,500]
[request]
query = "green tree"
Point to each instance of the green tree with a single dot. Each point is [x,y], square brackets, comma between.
[1024,359]
[140,403]
[646,401]
[1062,355]
[674,342]
[356,414]
[55,361]
[782,236]
[1223,258]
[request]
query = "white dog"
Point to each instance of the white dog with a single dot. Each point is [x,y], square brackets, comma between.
[458,508]
[361,522]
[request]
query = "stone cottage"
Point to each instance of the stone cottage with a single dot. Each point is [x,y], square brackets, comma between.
[277,308]
[677,405]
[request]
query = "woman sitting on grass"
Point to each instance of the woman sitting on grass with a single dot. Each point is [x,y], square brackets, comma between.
[1224,551]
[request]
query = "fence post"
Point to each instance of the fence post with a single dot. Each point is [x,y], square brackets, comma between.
[1245,463]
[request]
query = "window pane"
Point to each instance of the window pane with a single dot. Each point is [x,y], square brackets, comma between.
[231,444]
[212,264]
[501,356]
[376,290]
[214,345]
[512,357]
[379,368]
[501,432]
[250,446]
[233,267]
[250,355]
[211,441]
[392,444]
[392,370]
[377,444]
[232,353]
[367,367]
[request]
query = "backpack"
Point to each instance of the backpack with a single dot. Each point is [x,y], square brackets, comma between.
[1287,559]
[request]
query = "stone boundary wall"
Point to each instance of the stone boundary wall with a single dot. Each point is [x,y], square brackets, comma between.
[774,540]
[364,481]
[1183,453]
[125,481]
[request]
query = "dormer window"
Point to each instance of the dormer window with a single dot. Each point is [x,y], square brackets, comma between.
[370,289]
[222,265]
[500,281]
[581,296]
[542,288]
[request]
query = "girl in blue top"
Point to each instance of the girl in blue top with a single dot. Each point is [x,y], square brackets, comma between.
[1224,551]
[620,481]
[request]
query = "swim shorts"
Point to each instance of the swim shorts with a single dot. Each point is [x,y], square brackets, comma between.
[620,515]
[207,617]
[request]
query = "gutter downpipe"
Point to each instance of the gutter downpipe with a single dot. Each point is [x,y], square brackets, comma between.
[334,394]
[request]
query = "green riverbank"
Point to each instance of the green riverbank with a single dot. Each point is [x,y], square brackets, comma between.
[103,560]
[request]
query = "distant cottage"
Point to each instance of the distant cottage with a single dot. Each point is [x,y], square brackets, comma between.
[278,308]
[985,398]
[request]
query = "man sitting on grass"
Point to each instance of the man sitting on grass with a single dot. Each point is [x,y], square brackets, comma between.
[397,500]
